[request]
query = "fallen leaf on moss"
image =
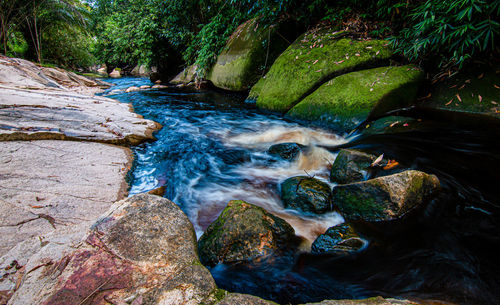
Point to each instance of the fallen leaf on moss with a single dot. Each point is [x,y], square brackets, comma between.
[459,98]
[449,102]
[480,76]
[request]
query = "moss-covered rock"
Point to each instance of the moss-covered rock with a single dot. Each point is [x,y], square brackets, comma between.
[384,198]
[286,151]
[349,99]
[340,240]
[306,194]
[244,232]
[475,90]
[315,57]
[350,166]
[243,60]
[186,76]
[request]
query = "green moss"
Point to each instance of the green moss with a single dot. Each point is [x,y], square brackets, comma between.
[311,60]
[349,99]
[242,61]
[470,91]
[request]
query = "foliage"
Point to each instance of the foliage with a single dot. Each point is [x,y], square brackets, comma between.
[451,30]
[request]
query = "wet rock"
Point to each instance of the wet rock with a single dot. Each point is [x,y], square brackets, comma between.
[306,194]
[351,166]
[237,298]
[311,60]
[144,87]
[133,89]
[116,73]
[243,59]
[142,251]
[244,232]
[347,100]
[340,240]
[385,198]
[159,86]
[370,301]
[187,76]
[287,151]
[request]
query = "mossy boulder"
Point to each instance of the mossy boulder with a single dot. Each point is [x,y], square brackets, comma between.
[340,240]
[314,58]
[475,90]
[349,99]
[243,59]
[286,151]
[351,166]
[244,232]
[385,198]
[306,194]
[186,76]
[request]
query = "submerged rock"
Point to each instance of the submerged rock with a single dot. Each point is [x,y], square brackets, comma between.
[314,58]
[306,194]
[243,59]
[286,151]
[384,198]
[349,99]
[143,251]
[350,166]
[244,232]
[340,240]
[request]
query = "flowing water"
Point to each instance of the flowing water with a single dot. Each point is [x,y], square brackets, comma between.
[212,149]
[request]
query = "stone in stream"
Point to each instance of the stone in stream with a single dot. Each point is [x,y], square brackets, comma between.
[244,232]
[385,198]
[350,166]
[187,76]
[116,73]
[286,151]
[142,251]
[311,60]
[306,194]
[132,89]
[340,240]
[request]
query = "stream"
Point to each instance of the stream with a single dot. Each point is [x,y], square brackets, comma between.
[212,149]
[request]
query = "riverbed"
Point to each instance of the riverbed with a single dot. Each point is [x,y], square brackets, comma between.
[213,148]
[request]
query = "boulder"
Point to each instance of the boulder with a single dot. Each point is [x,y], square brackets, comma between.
[249,49]
[286,151]
[244,232]
[103,70]
[473,94]
[116,73]
[313,59]
[347,100]
[133,89]
[306,194]
[141,71]
[351,166]
[370,301]
[385,198]
[187,76]
[144,87]
[142,251]
[339,240]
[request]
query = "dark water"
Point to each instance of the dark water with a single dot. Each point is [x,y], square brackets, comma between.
[212,149]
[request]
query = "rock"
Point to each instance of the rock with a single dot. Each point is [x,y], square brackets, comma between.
[158,86]
[186,76]
[142,251]
[350,166]
[340,240]
[242,61]
[132,89]
[55,185]
[144,87]
[313,59]
[244,232]
[286,151]
[78,83]
[103,70]
[306,194]
[385,198]
[64,115]
[472,95]
[347,100]
[237,298]
[116,73]
[141,71]
[22,74]
[370,301]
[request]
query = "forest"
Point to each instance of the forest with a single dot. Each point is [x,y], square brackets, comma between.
[78,34]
